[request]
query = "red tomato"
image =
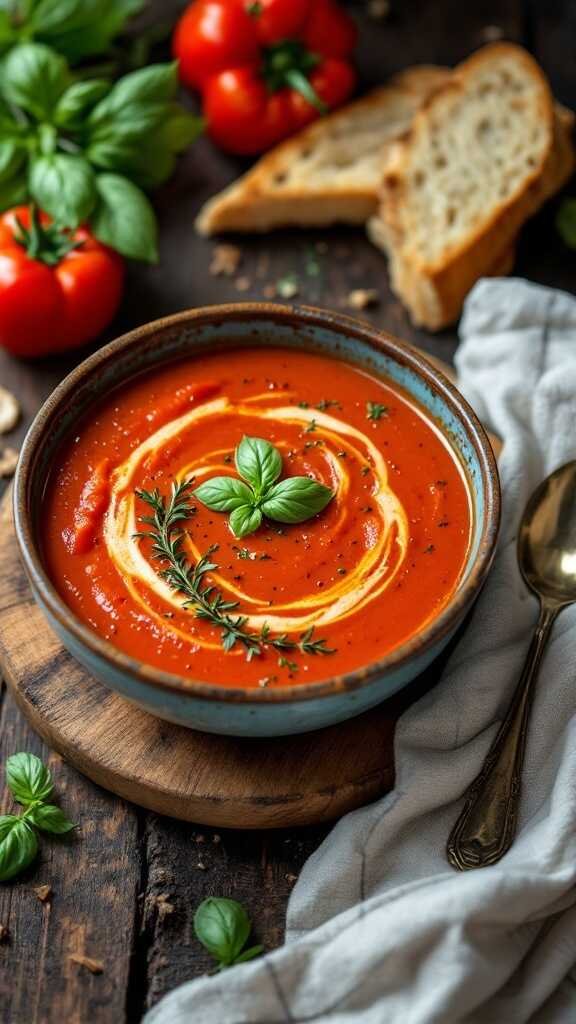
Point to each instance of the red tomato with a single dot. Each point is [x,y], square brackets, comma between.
[277,20]
[47,307]
[241,115]
[329,30]
[258,63]
[213,35]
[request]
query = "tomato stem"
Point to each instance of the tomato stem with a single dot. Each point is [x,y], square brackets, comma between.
[297,80]
[288,64]
[46,243]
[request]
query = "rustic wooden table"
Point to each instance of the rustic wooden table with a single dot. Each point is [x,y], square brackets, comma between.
[126,886]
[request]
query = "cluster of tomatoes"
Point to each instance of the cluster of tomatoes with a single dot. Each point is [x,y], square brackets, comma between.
[264,69]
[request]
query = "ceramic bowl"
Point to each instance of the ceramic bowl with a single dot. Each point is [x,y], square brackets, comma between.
[286,709]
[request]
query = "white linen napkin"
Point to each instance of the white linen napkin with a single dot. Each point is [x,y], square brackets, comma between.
[380,929]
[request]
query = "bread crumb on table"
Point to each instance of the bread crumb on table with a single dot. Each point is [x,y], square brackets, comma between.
[43,892]
[8,462]
[225,260]
[362,298]
[9,411]
[94,966]
[378,9]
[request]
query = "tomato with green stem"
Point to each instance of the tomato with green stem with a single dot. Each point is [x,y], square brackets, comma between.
[58,288]
[265,68]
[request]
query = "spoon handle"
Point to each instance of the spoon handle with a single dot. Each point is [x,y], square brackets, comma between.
[485,828]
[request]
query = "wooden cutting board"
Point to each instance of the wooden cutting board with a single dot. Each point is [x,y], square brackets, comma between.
[212,780]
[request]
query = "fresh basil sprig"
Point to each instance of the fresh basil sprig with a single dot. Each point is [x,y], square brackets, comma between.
[76,28]
[84,151]
[30,782]
[259,494]
[223,927]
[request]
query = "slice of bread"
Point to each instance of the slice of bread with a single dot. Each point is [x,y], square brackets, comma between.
[483,153]
[331,171]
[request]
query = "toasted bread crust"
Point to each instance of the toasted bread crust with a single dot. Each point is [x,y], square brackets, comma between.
[260,201]
[434,291]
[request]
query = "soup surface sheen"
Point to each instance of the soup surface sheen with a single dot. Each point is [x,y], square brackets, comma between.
[364,575]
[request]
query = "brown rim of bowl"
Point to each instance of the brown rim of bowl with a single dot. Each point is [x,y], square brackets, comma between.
[301,316]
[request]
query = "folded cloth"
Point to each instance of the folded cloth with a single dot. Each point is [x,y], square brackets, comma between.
[380,929]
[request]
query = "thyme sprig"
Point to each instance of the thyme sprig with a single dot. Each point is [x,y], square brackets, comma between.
[166,535]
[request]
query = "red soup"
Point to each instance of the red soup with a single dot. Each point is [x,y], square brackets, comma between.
[257,517]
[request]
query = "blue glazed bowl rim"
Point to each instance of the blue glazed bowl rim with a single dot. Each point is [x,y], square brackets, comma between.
[300,317]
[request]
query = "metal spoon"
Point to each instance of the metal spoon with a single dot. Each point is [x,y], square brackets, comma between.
[547,558]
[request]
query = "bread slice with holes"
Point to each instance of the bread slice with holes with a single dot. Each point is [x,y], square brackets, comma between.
[483,153]
[331,171]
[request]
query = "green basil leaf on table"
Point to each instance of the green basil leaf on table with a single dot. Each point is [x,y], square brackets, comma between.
[18,846]
[258,462]
[78,100]
[124,219]
[13,192]
[81,28]
[9,127]
[245,519]
[154,84]
[12,156]
[249,954]
[179,129]
[34,78]
[50,818]
[27,778]
[132,122]
[147,161]
[8,34]
[296,499]
[566,222]
[223,927]
[224,494]
[135,105]
[64,186]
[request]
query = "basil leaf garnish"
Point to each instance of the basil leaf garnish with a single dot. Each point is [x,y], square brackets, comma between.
[50,818]
[224,494]
[18,846]
[296,499]
[258,462]
[28,779]
[245,520]
[223,927]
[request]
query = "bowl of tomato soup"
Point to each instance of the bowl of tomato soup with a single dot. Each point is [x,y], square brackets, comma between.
[256,520]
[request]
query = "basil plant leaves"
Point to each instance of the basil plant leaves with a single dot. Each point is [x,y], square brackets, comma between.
[30,783]
[259,493]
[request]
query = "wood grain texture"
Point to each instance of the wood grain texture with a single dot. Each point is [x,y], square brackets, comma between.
[214,780]
[94,876]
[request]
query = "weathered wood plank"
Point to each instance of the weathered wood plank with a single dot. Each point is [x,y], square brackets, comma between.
[94,876]
[184,866]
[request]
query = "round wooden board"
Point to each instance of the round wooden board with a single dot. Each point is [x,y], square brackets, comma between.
[211,780]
